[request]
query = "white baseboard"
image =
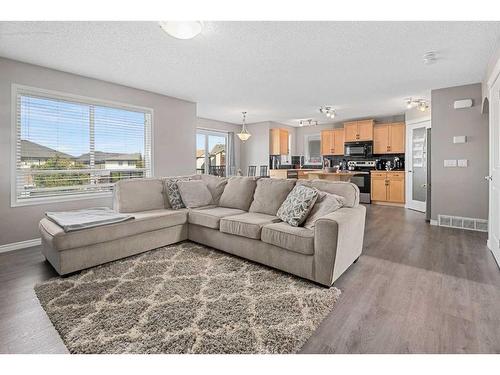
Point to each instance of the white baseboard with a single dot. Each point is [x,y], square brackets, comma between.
[434,222]
[20,245]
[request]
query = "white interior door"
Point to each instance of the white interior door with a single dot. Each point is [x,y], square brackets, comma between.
[494,177]
[416,165]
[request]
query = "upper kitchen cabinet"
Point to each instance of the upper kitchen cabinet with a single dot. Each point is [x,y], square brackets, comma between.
[278,142]
[389,138]
[358,131]
[332,142]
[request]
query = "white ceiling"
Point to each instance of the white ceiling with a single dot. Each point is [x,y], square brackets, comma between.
[277,71]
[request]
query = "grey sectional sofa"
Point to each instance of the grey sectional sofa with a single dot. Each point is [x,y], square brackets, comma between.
[241,220]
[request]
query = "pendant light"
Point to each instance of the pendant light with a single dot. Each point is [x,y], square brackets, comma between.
[182,29]
[244,134]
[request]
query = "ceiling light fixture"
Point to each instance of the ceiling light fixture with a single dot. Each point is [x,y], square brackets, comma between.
[430,58]
[182,29]
[328,111]
[244,134]
[308,122]
[421,104]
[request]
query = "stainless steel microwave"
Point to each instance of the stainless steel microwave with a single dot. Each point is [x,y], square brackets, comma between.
[358,149]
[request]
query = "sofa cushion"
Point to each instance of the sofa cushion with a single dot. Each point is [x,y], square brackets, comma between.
[194,193]
[348,190]
[144,221]
[325,204]
[138,194]
[297,205]
[173,193]
[216,186]
[297,239]
[238,192]
[269,194]
[246,225]
[210,216]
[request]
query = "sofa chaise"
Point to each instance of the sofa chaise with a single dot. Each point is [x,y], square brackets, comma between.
[240,220]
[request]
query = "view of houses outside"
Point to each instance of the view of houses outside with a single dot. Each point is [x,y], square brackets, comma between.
[216,157]
[55,148]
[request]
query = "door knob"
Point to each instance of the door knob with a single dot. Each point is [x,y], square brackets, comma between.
[488,178]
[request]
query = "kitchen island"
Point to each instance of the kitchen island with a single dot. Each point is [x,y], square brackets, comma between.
[333,176]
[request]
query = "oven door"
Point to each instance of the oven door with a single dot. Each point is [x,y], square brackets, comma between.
[362,181]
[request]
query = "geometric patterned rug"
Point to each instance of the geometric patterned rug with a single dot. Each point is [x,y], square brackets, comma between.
[184,298]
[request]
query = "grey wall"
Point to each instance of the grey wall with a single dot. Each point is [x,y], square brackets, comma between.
[414,114]
[255,151]
[174,137]
[459,191]
[224,127]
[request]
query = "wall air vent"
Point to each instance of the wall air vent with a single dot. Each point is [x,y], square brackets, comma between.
[463,223]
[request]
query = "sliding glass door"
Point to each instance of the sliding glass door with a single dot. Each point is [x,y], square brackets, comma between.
[211,148]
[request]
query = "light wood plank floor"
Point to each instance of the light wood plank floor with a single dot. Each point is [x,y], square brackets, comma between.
[415,289]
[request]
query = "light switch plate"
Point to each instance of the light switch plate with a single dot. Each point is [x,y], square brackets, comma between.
[460,139]
[450,163]
[462,163]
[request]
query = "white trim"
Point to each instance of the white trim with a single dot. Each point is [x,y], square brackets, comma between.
[495,251]
[434,222]
[494,75]
[418,120]
[20,245]
[15,88]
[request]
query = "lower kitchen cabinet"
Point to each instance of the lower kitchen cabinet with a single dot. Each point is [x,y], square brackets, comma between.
[388,187]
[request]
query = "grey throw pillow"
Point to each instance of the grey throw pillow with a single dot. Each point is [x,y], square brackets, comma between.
[194,193]
[297,205]
[173,194]
[238,192]
[325,204]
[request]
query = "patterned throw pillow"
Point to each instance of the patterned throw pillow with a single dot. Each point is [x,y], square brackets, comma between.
[325,204]
[173,193]
[297,205]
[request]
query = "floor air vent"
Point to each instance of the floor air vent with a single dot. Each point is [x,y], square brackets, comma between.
[463,223]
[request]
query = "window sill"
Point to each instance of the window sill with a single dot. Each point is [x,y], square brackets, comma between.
[67,198]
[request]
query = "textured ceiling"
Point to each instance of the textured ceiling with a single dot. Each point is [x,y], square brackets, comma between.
[279,71]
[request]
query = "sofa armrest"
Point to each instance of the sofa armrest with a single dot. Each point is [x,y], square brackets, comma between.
[338,242]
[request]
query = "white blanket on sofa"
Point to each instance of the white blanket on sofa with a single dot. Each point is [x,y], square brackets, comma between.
[86,218]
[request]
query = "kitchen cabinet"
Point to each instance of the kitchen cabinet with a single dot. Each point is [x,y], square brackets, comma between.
[278,173]
[278,142]
[389,138]
[332,142]
[388,187]
[358,131]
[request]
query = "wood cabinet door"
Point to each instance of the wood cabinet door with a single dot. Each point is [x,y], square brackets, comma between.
[351,131]
[381,139]
[274,144]
[365,130]
[397,138]
[338,141]
[379,186]
[396,187]
[283,134]
[326,142]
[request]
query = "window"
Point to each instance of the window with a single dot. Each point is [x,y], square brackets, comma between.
[72,148]
[313,149]
[211,149]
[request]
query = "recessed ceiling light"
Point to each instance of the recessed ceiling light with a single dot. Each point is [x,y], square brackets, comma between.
[182,29]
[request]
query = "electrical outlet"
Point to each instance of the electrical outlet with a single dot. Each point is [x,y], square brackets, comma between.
[462,163]
[450,163]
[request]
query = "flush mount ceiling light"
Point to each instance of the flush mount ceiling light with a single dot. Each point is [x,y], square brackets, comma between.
[182,29]
[308,122]
[430,58]
[244,134]
[421,104]
[328,111]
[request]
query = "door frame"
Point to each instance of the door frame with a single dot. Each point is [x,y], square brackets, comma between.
[494,120]
[410,125]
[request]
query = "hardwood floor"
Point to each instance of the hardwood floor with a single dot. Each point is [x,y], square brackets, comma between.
[415,289]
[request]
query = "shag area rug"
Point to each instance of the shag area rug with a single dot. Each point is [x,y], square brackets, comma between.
[184,298]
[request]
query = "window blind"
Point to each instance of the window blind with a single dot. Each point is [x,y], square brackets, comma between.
[68,148]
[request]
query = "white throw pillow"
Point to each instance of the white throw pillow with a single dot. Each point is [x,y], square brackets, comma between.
[194,193]
[325,204]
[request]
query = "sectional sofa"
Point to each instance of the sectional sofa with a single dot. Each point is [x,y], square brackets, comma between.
[240,220]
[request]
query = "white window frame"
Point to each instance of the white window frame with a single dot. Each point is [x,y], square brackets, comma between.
[17,89]
[216,133]
[313,136]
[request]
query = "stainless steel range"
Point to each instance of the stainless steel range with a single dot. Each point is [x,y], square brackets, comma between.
[361,177]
